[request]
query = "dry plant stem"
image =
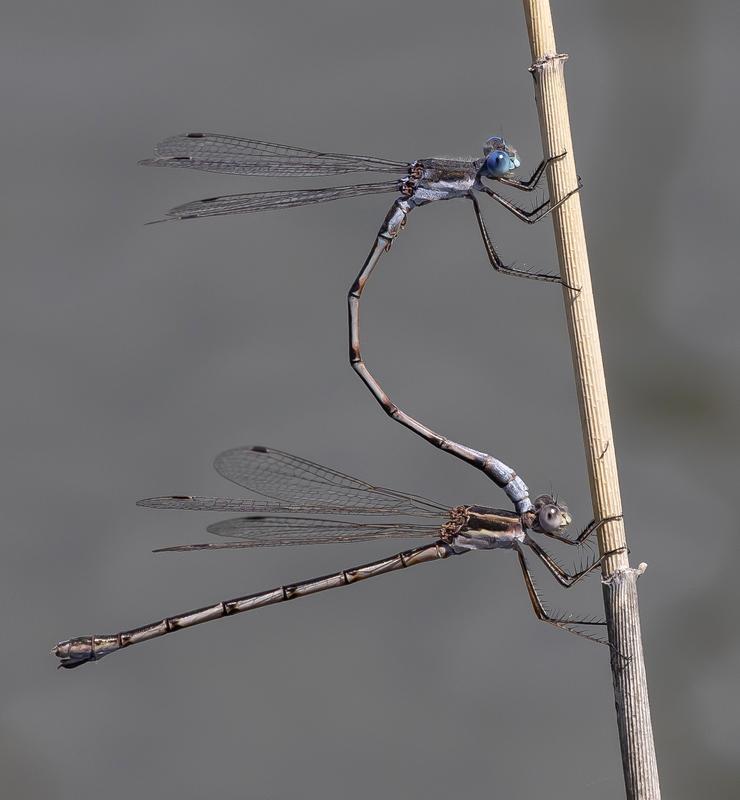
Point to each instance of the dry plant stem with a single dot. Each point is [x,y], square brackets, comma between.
[620,581]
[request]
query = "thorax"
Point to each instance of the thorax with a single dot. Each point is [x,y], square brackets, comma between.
[442,179]
[488,529]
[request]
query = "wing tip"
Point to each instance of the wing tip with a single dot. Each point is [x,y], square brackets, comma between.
[247,448]
[180,548]
[156,502]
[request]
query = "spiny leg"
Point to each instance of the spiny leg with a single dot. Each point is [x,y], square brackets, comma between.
[590,529]
[496,261]
[502,475]
[531,184]
[535,214]
[563,577]
[561,622]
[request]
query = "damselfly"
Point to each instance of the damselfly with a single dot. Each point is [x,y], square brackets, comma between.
[294,486]
[423,181]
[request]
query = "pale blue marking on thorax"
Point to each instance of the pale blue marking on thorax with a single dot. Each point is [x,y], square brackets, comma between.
[445,189]
[487,540]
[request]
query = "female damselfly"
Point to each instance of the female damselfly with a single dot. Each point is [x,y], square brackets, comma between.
[294,486]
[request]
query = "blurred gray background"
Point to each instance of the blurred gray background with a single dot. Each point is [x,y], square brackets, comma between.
[132,355]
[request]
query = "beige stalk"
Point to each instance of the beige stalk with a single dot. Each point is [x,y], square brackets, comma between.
[619,580]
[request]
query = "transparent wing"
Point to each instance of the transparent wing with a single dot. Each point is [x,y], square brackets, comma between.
[229,505]
[275,168]
[276,200]
[212,152]
[279,531]
[284,477]
[245,506]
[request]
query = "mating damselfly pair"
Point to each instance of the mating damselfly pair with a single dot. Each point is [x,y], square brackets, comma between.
[295,486]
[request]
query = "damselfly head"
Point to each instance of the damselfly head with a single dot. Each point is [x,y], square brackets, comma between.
[500,158]
[552,516]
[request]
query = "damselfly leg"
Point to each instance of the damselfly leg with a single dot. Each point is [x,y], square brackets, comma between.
[531,183]
[590,529]
[564,622]
[533,215]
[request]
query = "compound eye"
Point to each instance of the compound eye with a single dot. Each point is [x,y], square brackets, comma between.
[550,518]
[498,163]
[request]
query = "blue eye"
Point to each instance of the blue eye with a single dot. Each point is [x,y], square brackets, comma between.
[498,163]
